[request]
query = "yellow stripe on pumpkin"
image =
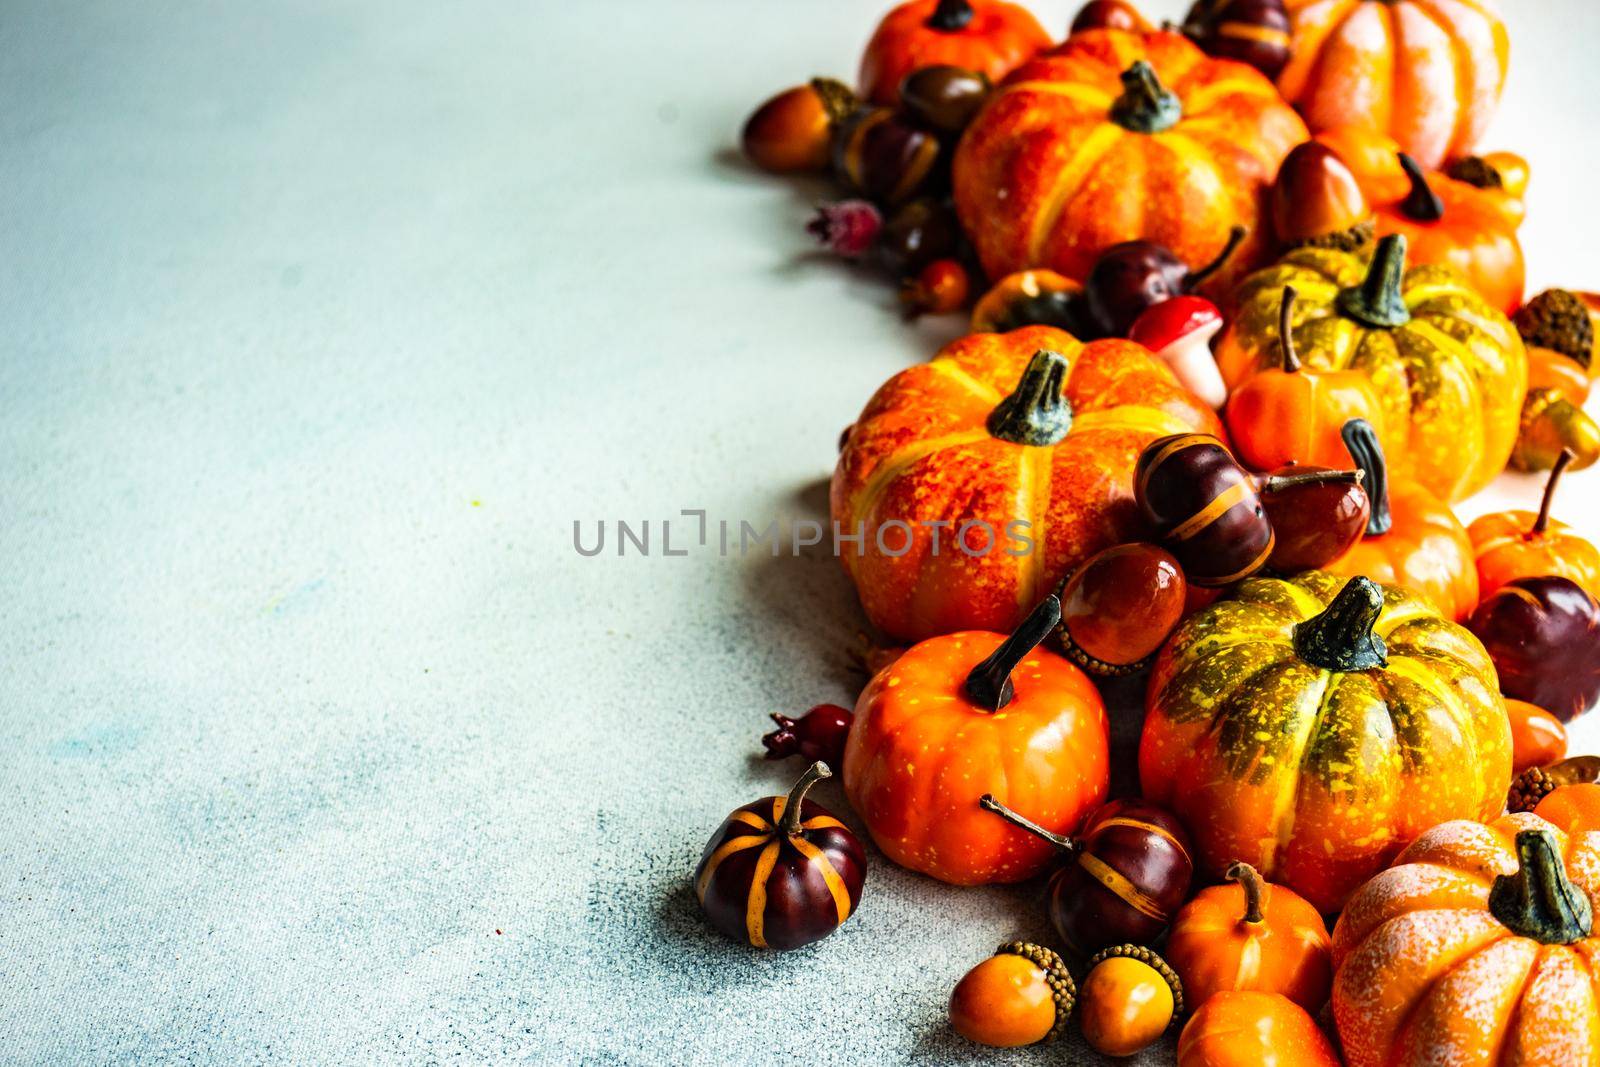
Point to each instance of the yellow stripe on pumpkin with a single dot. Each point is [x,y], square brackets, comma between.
[836,886]
[1089,152]
[755,909]
[724,850]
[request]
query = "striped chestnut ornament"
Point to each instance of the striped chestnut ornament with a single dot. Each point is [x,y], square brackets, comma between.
[781,872]
[1249,31]
[1128,872]
[1205,508]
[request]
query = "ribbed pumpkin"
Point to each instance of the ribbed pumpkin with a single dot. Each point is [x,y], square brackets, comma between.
[1312,727]
[1030,427]
[1449,369]
[1428,72]
[1119,136]
[1478,947]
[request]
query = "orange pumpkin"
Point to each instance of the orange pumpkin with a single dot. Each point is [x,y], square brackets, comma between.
[1445,221]
[1538,738]
[1413,539]
[1248,1029]
[969,714]
[1524,544]
[1573,809]
[1476,947]
[1251,935]
[986,36]
[1427,72]
[1119,136]
[1293,414]
[982,478]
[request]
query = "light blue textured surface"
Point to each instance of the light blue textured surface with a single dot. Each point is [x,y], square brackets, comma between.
[322,322]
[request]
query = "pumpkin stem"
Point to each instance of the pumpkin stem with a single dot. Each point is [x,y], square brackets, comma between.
[1145,106]
[1291,358]
[1254,889]
[950,16]
[1036,413]
[1278,483]
[989,685]
[1539,901]
[988,803]
[1422,204]
[1542,523]
[1236,238]
[1378,301]
[789,824]
[1361,441]
[1342,638]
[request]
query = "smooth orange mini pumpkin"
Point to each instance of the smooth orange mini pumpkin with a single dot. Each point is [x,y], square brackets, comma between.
[1525,544]
[1573,809]
[969,714]
[1293,414]
[1477,947]
[1247,1029]
[1427,72]
[1413,538]
[1250,934]
[989,37]
[1119,136]
[980,479]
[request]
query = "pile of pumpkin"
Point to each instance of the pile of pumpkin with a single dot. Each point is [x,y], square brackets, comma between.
[1229,378]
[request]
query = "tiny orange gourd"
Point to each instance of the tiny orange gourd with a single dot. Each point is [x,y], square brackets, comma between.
[1128,1000]
[1522,544]
[1240,1028]
[989,37]
[1574,809]
[1021,995]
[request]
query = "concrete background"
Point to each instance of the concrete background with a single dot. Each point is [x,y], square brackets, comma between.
[322,323]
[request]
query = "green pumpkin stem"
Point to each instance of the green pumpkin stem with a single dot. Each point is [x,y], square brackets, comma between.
[1036,413]
[1422,204]
[1542,523]
[1361,440]
[1145,106]
[1539,901]
[789,824]
[988,803]
[1236,237]
[1342,637]
[1254,889]
[950,16]
[989,685]
[1291,358]
[1379,302]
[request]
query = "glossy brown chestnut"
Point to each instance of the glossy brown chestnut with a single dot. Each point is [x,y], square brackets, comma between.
[1317,513]
[917,234]
[1544,637]
[1249,31]
[1127,872]
[882,156]
[781,872]
[1316,200]
[1205,508]
[1110,15]
[1133,276]
[794,130]
[1119,606]
[943,97]
[819,734]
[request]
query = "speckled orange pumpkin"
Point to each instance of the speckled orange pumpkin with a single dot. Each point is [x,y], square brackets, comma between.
[1117,136]
[1477,947]
[1030,427]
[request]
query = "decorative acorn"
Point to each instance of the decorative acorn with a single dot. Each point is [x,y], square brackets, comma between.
[1536,783]
[819,734]
[1128,1000]
[781,872]
[1316,201]
[1119,606]
[1204,506]
[944,97]
[1021,995]
[1109,15]
[1249,31]
[1129,871]
[882,156]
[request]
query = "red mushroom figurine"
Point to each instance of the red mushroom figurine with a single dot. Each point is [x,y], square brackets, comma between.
[1179,330]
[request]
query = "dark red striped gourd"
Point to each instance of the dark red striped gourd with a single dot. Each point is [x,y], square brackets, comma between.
[1205,508]
[781,872]
[1128,873]
[1249,31]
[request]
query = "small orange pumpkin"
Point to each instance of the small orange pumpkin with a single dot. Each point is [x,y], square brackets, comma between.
[1428,73]
[1538,738]
[1574,809]
[1240,1028]
[989,37]
[1523,544]
[1252,935]
[1478,946]
[969,714]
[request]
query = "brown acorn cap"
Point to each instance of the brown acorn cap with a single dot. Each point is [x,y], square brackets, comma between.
[1354,239]
[1558,320]
[1536,783]
[1153,960]
[838,100]
[1062,988]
